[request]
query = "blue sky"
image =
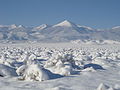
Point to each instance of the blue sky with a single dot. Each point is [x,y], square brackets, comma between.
[93,13]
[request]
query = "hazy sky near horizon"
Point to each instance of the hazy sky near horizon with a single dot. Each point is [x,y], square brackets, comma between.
[93,13]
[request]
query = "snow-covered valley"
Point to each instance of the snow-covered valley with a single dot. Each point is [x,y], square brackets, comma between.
[60,66]
[64,56]
[59,45]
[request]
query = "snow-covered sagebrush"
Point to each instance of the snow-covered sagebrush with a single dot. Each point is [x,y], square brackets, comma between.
[92,66]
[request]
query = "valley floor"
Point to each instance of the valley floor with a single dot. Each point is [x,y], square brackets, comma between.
[104,60]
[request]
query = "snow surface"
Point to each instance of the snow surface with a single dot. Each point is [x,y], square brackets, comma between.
[59,66]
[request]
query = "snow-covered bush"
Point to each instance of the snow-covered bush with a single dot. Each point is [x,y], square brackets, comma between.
[2,59]
[32,72]
[20,71]
[61,64]
[102,61]
[7,61]
[63,68]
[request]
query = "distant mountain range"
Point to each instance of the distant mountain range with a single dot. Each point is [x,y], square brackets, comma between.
[62,32]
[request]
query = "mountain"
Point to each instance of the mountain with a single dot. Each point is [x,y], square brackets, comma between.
[64,31]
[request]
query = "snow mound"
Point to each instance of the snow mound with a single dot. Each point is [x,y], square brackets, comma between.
[104,87]
[95,42]
[7,71]
[94,66]
[117,87]
[90,69]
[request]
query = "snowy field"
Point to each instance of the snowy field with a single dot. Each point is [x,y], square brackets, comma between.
[59,66]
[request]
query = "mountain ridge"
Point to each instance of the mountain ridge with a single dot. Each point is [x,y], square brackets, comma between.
[64,31]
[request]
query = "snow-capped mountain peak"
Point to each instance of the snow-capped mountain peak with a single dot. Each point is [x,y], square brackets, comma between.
[117,27]
[13,26]
[65,23]
[43,26]
[89,28]
[21,26]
